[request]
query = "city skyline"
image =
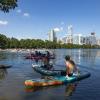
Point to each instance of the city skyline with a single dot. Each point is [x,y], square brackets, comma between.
[34,18]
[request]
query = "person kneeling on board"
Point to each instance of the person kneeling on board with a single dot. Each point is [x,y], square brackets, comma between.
[71,68]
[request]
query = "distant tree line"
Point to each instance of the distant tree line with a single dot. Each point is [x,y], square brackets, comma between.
[6,42]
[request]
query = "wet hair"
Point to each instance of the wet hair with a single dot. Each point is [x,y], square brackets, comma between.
[72,62]
[67,57]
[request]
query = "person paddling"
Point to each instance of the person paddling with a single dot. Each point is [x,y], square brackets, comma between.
[71,68]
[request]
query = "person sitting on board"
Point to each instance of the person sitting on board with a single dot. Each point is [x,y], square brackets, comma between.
[48,53]
[46,63]
[71,68]
[36,53]
[39,54]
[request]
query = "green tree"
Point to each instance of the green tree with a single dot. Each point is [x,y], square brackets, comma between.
[6,5]
[14,43]
[3,41]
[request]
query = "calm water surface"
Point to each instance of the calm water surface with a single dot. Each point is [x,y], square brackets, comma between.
[12,79]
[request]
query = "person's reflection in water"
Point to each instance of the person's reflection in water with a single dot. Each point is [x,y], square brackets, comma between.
[3,73]
[70,88]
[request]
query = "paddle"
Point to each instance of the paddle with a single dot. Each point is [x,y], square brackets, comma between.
[57,70]
[35,65]
[5,66]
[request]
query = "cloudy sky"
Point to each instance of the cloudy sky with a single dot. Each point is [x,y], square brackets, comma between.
[34,18]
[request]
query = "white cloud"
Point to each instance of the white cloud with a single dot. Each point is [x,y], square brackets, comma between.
[3,22]
[56,29]
[26,14]
[19,11]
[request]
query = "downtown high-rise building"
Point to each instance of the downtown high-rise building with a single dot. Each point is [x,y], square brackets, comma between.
[98,42]
[78,39]
[69,36]
[91,39]
[52,35]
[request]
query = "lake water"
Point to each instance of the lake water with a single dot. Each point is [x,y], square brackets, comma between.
[12,79]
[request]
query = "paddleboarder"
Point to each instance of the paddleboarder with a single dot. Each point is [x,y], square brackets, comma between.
[71,68]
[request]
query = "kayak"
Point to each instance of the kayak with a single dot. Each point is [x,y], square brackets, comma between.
[56,80]
[44,71]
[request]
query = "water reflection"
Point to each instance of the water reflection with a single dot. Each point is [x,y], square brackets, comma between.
[88,57]
[70,88]
[3,73]
[22,70]
[2,56]
[84,55]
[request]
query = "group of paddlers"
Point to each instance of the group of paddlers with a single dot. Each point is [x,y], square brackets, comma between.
[71,68]
[38,53]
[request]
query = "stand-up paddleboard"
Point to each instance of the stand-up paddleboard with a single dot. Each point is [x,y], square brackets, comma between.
[56,80]
[44,71]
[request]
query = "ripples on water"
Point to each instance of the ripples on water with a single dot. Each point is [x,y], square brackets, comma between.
[12,79]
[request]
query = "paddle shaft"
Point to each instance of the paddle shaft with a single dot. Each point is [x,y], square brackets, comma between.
[57,70]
